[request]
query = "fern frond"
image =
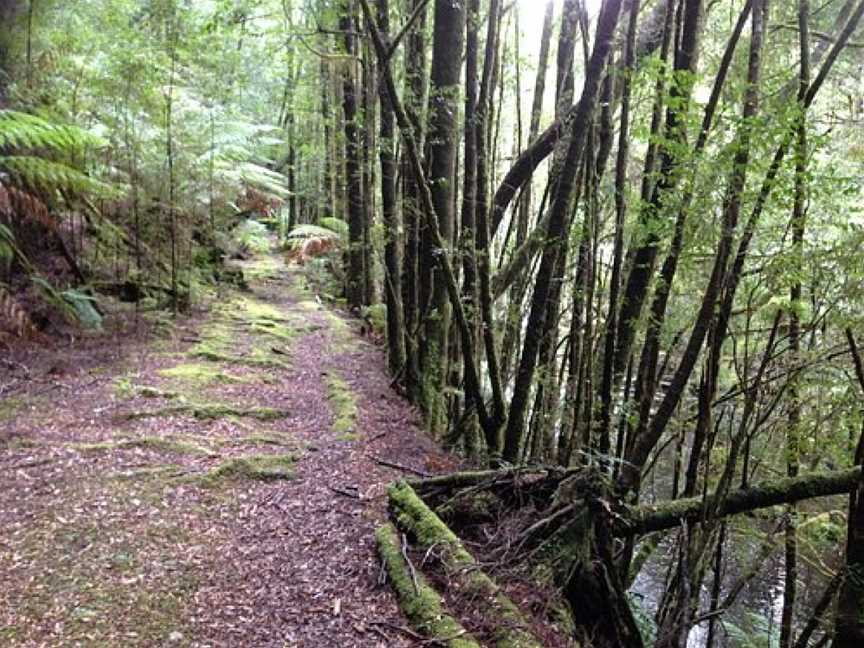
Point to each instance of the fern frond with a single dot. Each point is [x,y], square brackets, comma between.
[9,249]
[39,174]
[7,245]
[270,183]
[55,298]
[14,316]
[336,224]
[23,131]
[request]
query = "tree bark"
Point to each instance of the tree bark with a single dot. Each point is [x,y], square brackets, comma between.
[389,212]
[415,94]
[445,74]
[639,520]
[355,289]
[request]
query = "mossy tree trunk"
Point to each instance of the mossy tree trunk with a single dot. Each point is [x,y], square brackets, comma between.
[9,10]
[445,73]
[392,243]
[353,166]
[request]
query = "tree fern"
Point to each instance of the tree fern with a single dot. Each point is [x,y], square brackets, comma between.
[23,131]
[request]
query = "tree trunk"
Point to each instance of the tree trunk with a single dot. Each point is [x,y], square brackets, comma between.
[445,74]
[392,242]
[415,93]
[558,225]
[353,171]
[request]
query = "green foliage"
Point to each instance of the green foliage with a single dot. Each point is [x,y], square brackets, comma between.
[252,235]
[21,132]
[756,631]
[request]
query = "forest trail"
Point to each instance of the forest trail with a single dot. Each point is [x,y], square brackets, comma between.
[215,486]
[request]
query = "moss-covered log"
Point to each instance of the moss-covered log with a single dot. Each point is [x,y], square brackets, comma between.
[419,602]
[637,520]
[412,514]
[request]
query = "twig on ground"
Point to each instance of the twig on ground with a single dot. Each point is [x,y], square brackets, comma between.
[350,491]
[408,469]
[400,628]
[409,563]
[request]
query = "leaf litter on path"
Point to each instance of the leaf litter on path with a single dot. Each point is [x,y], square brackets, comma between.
[115,534]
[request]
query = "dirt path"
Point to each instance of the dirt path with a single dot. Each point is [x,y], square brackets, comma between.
[217,486]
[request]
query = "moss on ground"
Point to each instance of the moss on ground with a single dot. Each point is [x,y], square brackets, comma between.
[17,442]
[340,332]
[104,582]
[254,467]
[207,411]
[11,407]
[343,404]
[263,440]
[413,515]
[200,374]
[158,444]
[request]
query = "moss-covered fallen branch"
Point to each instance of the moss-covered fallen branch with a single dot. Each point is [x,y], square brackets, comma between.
[412,514]
[417,600]
[637,520]
[204,411]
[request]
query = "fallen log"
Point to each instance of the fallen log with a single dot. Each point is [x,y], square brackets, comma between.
[420,603]
[412,514]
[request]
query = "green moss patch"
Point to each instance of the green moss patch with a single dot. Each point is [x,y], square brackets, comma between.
[207,411]
[343,404]
[158,444]
[200,374]
[254,467]
[10,407]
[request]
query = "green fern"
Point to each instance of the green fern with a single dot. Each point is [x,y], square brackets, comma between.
[335,224]
[46,176]
[269,183]
[22,131]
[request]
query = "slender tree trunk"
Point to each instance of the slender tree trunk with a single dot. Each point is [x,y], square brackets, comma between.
[445,74]
[513,324]
[390,214]
[368,171]
[732,206]
[849,621]
[415,94]
[355,288]
[558,225]
[792,434]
